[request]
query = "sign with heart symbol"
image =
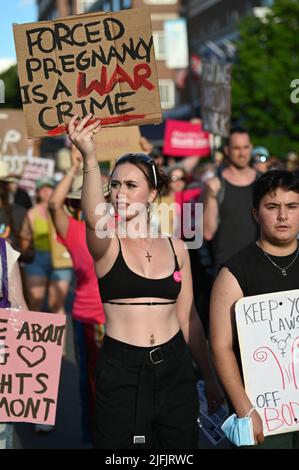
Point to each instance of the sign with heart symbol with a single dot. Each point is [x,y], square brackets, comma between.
[32,356]
[31,346]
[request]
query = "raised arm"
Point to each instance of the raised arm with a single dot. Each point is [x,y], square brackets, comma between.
[56,202]
[81,134]
[225,293]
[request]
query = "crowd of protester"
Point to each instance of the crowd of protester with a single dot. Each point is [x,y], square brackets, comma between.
[49,233]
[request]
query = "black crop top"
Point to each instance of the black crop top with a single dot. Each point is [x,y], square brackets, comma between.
[122,283]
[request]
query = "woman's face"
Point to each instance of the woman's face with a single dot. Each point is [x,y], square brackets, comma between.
[45,193]
[177,180]
[130,192]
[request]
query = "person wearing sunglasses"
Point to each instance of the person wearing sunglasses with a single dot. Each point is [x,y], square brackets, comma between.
[146,393]
[177,179]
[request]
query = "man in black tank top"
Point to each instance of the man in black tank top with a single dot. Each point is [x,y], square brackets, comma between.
[228,220]
[269,265]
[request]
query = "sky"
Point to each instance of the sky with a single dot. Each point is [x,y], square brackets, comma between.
[13,11]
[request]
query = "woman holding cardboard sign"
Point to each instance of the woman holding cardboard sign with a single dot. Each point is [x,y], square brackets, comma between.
[146,387]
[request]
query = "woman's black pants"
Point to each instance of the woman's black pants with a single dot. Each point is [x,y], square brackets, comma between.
[146,397]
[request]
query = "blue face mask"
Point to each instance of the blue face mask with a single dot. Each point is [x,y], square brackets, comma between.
[239,430]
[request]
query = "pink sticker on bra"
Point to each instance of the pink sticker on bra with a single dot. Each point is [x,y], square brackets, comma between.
[177,276]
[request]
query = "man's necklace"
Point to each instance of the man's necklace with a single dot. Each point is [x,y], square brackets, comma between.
[283,270]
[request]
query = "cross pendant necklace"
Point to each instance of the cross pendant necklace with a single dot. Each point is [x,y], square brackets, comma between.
[148,255]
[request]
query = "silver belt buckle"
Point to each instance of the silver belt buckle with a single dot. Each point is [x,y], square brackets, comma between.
[159,360]
[139,440]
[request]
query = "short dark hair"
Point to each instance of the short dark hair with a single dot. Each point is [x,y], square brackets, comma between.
[272,180]
[155,153]
[235,130]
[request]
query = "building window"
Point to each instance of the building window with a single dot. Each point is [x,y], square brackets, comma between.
[127,3]
[87,4]
[107,6]
[167,93]
[116,5]
[161,2]
[159,45]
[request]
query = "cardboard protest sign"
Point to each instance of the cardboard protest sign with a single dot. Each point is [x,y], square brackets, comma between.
[215,97]
[30,360]
[13,135]
[101,63]
[269,343]
[16,164]
[183,139]
[112,143]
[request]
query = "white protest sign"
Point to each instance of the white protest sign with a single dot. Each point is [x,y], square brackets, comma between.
[268,330]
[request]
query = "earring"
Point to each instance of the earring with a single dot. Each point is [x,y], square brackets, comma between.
[148,209]
[111,210]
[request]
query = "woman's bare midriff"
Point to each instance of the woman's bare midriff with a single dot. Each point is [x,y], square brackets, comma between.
[141,325]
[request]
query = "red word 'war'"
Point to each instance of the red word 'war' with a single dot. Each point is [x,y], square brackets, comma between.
[141,73]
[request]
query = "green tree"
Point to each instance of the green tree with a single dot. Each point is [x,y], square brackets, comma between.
[12,88]
[267,62]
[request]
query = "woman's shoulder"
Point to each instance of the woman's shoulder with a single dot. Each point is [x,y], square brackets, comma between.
[245,255]
[179,246]
[32,212]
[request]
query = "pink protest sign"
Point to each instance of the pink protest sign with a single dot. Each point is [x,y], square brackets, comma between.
[187,195]
[183,139]
[30,361]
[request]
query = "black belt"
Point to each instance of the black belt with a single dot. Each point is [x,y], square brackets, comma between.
[149,358]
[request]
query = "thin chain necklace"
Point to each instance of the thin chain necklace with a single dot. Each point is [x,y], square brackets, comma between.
[148,255]
[141,236]
[283,270]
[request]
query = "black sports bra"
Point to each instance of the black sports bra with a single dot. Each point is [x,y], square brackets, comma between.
[122,283]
